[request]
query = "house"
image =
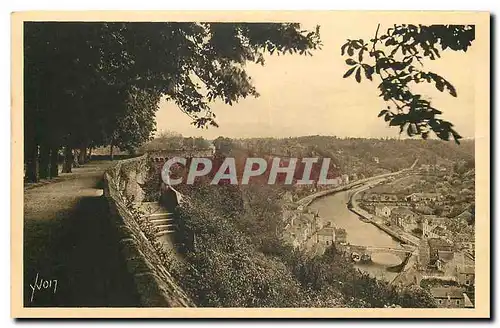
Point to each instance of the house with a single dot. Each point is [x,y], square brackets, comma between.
[464,269]
[345,179]
[450,297]
[383,211]
[340,236]
[440,253]
[429,223]
[466,216]
[426,228]
[469,246]
[425,168]
[326,236]
[388,197]
[437,232]
[435,253]
[423,197]
[434,220]
[404,218]
[465,241]
[466,275]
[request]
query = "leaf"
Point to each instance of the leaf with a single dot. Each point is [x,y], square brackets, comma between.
[451,88]
[382,112]
[456,136]
[360,55]
[356,44]
[436,52]
[358,75]
[440,85]
[349,72]
[342,49]
[350,61]
[402,127]
[398,120]
[368,71]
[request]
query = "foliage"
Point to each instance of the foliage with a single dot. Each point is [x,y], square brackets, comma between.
[400,64]
[359,289]
[224,146]
[435,282]
[179,60]
[360,156]
[136,125]
[168,140]
[89,84]
[235,264]
[224,267]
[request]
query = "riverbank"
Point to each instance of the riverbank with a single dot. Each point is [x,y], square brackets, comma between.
[354,207]
[306,201]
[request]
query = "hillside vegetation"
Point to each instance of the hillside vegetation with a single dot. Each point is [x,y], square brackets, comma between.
[237,257]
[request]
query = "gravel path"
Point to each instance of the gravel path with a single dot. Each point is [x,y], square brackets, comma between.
[68,237]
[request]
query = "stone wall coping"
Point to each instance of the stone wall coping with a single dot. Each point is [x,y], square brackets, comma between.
[153,290]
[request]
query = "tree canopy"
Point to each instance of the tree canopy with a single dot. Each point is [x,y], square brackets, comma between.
[395,59]
[99,83]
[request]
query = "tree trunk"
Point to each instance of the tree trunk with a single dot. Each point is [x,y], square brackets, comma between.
[32,162]
[82,156]
[89,156]
[43,169]
[111,151]
[68,160]
[75,158]
[54,162]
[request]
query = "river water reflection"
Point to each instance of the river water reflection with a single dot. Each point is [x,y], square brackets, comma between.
[333,208]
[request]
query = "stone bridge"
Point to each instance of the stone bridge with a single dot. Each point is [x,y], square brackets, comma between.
[364,253]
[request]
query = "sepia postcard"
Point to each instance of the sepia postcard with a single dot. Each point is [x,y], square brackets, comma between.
[319,164]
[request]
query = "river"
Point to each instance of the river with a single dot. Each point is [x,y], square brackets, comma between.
[333,208]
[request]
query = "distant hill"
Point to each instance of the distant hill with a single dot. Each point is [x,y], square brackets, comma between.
[363,156]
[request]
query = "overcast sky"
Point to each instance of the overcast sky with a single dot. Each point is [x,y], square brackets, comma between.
[302,95]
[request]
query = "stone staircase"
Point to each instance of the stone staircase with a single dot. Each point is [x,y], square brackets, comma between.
[163,220]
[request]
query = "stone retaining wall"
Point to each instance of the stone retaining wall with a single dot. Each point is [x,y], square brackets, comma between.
[155,285]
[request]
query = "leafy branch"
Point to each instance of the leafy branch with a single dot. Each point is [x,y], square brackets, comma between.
[399,66]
